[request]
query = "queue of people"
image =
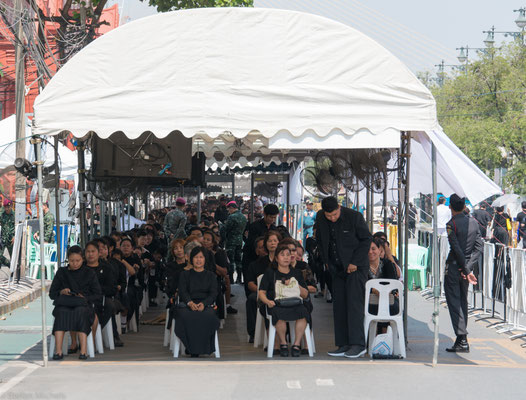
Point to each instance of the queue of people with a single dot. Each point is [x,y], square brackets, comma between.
[195,263]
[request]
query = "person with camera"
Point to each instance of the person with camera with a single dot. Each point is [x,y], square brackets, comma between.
[74,290]
[344,241]
[283,290]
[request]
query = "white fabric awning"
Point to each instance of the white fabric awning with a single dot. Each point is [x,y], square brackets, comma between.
[257,81]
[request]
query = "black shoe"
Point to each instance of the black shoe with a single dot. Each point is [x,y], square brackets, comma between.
[232,295]
[460,346]
[83,357]
[231,310]
[329,301]
[318,295]
[123,329]
[194,355]
[73,350]
[295,351]
[355,351]
[117,342]
[284,350]
[251,339]
[339,352]
[58,357]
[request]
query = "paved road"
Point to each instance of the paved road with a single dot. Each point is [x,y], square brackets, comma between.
[144,368]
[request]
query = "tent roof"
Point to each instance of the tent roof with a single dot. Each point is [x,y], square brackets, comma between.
[238,79]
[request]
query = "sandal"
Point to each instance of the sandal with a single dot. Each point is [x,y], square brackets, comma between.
[295,351]
[283,350]
[73,350]
[83,357]
[58,356]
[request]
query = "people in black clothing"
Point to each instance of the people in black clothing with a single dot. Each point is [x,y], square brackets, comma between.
[282,283]
[221,213]
[500,227]
[521,218]
[483,218]
[344,241]
[175,268]
[135,285]
[317,265]
[195,320]
[256,229]
[466,246]
[74,290]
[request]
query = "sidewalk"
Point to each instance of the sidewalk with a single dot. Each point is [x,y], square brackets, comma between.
[495,366]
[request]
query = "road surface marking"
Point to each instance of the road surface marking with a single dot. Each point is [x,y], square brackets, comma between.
[294,384]
[17,379]
[324,382]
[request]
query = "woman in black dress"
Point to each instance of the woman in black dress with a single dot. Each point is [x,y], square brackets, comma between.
[75,289]
[282,282]
[135,282]
[196,321]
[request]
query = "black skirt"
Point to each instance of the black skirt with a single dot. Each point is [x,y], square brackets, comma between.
[197,329]
[288,313]
[73,319]
[105,312]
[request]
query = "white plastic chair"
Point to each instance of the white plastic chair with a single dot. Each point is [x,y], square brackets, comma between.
[166,340]
[308,336]
[107,335]
[179,347]
[384,288]
[118,323]
[98,340]
[132,324]
[260,334]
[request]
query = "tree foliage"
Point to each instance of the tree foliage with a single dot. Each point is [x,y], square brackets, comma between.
[171,5]
[483,109]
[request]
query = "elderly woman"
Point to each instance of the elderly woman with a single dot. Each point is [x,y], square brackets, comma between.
[195,321]
[74,290]
[282,290]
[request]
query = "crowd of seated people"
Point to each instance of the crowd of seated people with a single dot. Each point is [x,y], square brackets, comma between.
[110,276]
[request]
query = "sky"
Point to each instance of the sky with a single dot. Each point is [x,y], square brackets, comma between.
[419,32]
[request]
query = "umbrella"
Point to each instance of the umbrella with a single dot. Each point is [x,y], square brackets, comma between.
[505,200]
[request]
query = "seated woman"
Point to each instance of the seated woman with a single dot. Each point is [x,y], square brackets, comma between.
[136,281]
[381,268]
[195,319]
[175,267]
[280,286]
[75,289]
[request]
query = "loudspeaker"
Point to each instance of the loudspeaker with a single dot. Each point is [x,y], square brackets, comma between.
[198,169]
[149,157]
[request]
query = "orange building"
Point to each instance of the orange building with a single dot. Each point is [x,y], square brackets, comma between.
[51,8]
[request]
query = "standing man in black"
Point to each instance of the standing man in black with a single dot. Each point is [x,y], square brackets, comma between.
[521,217]
[344,240]
[483,218]
[466,246]
[256,229]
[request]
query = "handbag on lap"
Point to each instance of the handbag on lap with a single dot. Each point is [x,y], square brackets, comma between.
[287,295]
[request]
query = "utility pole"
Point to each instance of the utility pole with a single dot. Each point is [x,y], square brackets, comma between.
[20,184]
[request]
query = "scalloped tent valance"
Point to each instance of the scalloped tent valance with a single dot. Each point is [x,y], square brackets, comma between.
[238,80]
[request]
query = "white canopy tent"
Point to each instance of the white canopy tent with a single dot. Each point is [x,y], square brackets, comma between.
[247,84]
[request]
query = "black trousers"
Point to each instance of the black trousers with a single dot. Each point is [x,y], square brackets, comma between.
[348,299]
[252,310]
[456,289]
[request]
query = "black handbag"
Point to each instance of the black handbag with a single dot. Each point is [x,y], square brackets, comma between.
[289,302]
[71,300]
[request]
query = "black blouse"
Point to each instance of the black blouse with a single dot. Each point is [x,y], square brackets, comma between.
[268,282]
[199,287]
[139,275]
[173,273]
[257,268]
[82,280]
[107,279]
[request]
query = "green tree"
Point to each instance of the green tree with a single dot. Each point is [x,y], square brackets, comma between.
[172,5]
[482,109]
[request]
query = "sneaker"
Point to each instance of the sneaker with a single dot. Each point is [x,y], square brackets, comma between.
[355,351]
[339,352]
[231,310]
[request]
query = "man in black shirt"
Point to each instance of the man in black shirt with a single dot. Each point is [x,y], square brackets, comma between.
[256,229]
[344,240]
[521,217]
[483,218]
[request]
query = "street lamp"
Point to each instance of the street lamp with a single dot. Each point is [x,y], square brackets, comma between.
[490,39]
[521,19]
[441,73]
[463,56]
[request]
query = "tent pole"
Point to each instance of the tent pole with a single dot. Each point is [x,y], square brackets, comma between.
[368,204]
[199,204]
[129,212]
[92,218]
[357,195]
[102,218]
[435,264]
[233,186]
[252,197]
[406,223]
[81,190]
[384,205]
[288,202]
[399,216]
[36,140]
[146,207]
[57,204]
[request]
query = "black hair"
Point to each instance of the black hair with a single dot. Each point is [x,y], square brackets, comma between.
[267,237]
[141,232]
[117,252]
[380,234]
[329,204]
[195,228]
[442,200]
[259,238]
[281,247]
[378,242]
[127,239]
[499,209]
[195,251]
[109,241]
[75,250]
[94,243]
[523,204]
[271,209]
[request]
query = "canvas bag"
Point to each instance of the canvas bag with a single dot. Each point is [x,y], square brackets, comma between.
[290,291]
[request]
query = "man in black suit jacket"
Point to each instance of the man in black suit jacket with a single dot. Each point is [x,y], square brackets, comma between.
[344,241]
